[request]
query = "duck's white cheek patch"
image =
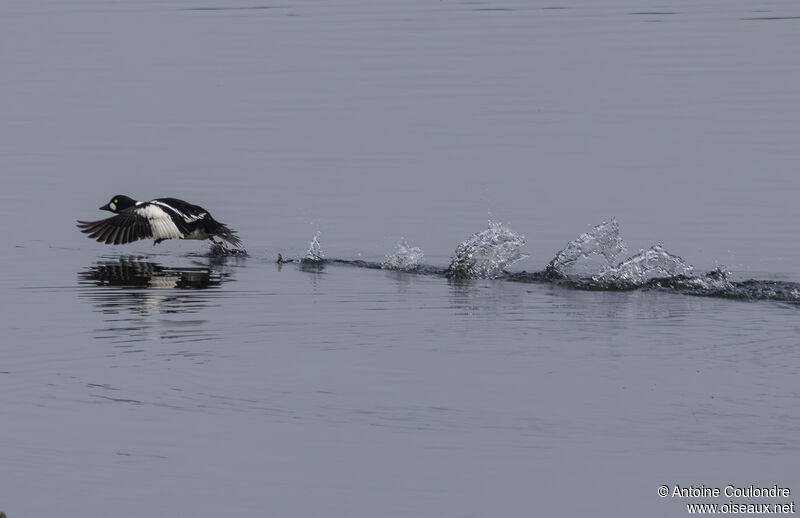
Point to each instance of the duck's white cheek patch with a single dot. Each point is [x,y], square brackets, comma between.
[112,206]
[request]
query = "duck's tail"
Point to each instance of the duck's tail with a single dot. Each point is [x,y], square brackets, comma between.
[228,234]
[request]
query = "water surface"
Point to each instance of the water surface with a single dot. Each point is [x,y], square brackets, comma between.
[159,380]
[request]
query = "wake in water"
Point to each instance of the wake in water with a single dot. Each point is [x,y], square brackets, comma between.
[589,262]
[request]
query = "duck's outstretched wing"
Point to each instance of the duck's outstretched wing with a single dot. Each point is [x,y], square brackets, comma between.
[123,228]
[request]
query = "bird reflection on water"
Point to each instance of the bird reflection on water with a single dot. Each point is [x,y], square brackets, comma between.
[144,300]
[132,272]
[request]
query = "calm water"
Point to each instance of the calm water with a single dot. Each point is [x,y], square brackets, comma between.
[159,380]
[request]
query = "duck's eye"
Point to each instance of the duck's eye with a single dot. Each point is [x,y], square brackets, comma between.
[115,200]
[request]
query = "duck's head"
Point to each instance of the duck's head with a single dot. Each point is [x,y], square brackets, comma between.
[118,203]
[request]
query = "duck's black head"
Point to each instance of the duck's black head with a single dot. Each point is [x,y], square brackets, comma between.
[118,203]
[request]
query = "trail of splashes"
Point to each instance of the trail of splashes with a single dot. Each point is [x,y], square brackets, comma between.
[314,254]
[486,254]
[603,241]
[405,258]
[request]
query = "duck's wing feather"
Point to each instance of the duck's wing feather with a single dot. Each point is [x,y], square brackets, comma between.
[185,211]
[123,228]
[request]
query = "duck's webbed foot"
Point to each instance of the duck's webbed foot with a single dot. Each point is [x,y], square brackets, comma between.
[219,247]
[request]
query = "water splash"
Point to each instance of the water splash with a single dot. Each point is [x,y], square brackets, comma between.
[486,254]
[220,250]
[405,258]
[636,271]
[591,261]
[603,242]
[314,254]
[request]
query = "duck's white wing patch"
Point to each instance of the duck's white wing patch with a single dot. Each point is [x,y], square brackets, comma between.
[188,218]
[194,217]
[160,222]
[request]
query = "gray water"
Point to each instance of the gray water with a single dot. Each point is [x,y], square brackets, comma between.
[163,381]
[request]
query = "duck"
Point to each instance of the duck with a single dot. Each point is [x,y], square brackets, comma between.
[160,219]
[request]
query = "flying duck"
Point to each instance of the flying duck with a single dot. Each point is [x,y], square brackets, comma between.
[162,218]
